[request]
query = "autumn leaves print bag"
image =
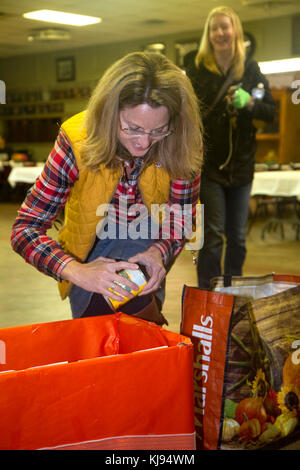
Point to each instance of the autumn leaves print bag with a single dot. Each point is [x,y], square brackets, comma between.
[246,336]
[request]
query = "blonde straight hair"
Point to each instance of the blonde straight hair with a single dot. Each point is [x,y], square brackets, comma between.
[205,53]
[144,78]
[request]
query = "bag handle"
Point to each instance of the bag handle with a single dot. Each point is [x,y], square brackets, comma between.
[229,80]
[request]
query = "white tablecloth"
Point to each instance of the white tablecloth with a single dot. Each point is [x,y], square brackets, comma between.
[276,183]
[24,174]
[265,183]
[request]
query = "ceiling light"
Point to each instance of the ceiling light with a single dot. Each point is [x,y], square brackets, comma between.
[266,3]
[49,34]
[280,66]
[155,47]
[61,17]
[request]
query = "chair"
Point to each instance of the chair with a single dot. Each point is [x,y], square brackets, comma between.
[277,220]
[262,204]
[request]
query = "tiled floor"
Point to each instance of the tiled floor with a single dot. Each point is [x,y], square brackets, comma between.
[26,295]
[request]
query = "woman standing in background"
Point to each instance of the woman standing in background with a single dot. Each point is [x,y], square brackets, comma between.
[232,92]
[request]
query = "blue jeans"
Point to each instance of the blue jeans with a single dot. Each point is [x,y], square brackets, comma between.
[120,249]
[225,220]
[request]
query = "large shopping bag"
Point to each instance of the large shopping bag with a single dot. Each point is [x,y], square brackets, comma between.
[110,382]
[246,335]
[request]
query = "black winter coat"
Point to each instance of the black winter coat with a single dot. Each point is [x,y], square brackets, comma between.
[216,123]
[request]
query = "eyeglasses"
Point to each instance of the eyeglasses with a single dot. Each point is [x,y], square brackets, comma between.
[140,133]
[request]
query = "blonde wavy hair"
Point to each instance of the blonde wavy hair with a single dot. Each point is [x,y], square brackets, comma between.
[144,78]
[206,54]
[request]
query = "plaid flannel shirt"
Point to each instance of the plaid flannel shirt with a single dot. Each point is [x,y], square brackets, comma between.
[48,196]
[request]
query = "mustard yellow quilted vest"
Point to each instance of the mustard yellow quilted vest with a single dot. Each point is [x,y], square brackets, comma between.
[94,188]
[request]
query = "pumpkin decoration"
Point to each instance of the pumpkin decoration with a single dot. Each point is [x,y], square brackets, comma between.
[291,370]
[251,408]
[250,429]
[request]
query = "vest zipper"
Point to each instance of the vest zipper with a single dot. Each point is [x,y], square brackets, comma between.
[95,236]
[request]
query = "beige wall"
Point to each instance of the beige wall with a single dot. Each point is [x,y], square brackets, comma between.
[39,71]
[273,36]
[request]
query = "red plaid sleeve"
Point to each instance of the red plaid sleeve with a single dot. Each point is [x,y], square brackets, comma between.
[44,201]
[181,211]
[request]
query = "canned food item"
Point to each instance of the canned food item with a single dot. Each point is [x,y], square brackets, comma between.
[134,275]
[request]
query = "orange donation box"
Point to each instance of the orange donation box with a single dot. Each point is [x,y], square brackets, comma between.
[106,382]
